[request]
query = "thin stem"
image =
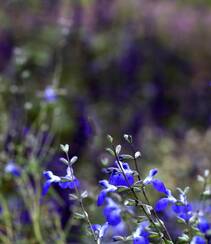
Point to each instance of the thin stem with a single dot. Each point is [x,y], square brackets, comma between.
[81,202]
[202,197]
[145,195]
[132,190]
[135,161]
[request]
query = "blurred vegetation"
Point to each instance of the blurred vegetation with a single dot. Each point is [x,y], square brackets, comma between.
[116,66]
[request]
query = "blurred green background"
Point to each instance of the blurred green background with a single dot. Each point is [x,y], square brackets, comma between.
[141,67]
[116,66]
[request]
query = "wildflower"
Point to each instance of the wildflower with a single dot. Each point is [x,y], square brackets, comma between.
[203,225]
[112,212]
[50,94]
[182,208]
[107,188]
[183,211]
[157,184]
[100,230]
[51,178]
[198,240]
[163,202]
[141,236]
[117,177]
[13,169]
[68,181]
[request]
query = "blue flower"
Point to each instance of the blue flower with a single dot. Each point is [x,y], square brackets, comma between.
[68,181]
[51,178]
[183,211]
[107,188]
[69,184]
[203,225]
[157,184]
[50,94]
[112,212]
[198,240]
[163,202]
[141,236]
[13,169]
[182,208]
[117,177]
[100,230]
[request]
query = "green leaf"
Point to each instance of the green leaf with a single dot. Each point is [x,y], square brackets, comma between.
[73,197]
[183,239]
[84,194]
[180,220]
[79,215]
[109,150]
[154,235]
[126,156]
[118,238]
[63,160]
[110,138]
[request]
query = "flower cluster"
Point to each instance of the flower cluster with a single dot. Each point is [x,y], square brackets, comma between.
[128,212]
[150,228]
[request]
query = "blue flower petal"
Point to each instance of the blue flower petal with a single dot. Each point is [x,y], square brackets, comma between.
[69,184]
[203,225]
[13,169]
[118,179]
[101,197]
[159,186]
[113,217]
[198,240]
[140,240]
[46,187]
[161,204]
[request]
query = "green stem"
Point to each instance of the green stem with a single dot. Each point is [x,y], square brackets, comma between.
[81,202]
[145,195]
[132,190]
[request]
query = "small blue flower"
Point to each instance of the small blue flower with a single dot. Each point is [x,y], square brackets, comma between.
[69,184]
[163,202]
[107,188]
[141,236]
[13,169]
[51,178]
[117,177]
[112,212]
[50,94]
[68,181]
[100,229]
[182,208]
[203,225]
[183,211]
[157,184]
[198,240]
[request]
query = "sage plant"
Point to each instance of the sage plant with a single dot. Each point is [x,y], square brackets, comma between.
[130,216]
